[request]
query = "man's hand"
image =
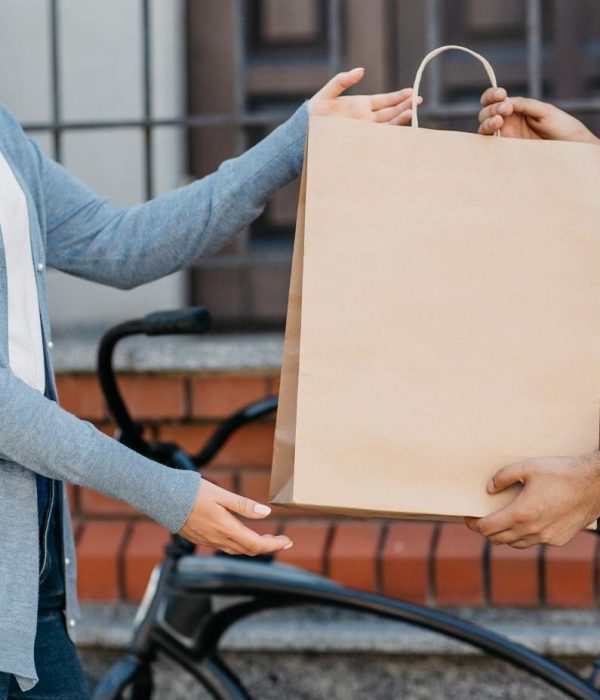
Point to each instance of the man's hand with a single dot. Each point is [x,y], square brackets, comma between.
[560,497]
[388,108]
[211,523]
[525,118]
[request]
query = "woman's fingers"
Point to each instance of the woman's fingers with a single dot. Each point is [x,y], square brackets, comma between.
[250,542]
[340,82]
[402,119]
[241,505]
[246,540]
[389,113]
[390,99]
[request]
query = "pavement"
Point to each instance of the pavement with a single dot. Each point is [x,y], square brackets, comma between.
[309,653]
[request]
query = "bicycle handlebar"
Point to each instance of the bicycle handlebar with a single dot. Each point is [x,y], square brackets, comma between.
[195,320]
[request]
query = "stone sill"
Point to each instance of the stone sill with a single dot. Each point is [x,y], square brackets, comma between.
[75,353]
[561,633]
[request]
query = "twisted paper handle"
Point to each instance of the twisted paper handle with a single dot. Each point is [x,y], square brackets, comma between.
[432,54]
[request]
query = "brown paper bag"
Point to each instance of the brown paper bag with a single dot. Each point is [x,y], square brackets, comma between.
[444,317]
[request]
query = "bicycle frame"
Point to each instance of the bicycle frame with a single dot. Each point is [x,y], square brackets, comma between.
[178,618]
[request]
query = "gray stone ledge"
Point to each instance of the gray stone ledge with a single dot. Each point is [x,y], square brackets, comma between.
[75,352]
[564,633]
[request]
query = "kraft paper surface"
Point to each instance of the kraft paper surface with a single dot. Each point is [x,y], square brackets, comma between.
[444,318]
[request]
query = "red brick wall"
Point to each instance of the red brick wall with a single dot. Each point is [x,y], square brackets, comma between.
[423,562]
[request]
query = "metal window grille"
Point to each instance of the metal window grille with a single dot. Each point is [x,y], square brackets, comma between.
[543,48]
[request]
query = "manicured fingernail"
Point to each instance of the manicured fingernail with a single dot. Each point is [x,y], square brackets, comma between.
[289,545]
[355,69]
[259,509]
[499,93]
[490,487]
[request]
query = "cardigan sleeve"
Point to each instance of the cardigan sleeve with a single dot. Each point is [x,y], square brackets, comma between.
[37,433]
[89,237]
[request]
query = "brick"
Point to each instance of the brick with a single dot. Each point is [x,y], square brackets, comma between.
[77,527]
[310,540]
[189,436]
[569,572]
[252,445]
[144,550]
[514,576]
[81,395]
[219,397]
[99,549]
[265,527]
[94,504]
[151,397]
[255,484]
[458,566]
[275,385]
[405,561]
[352,558]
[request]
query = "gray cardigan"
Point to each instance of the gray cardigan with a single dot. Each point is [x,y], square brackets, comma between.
[74,230]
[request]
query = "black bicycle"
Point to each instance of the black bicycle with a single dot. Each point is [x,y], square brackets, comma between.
[180,617]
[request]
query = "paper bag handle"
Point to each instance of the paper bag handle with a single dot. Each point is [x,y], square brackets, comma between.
[432,54]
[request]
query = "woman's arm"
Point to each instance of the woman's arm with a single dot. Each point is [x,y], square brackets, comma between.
[36,432]
[89,237]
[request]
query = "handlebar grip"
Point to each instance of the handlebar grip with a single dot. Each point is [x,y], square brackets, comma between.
[193,320]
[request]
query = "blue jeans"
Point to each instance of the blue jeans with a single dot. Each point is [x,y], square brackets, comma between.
[60,673]
[59,670]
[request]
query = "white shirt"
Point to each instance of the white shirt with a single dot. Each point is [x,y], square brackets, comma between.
[25,350]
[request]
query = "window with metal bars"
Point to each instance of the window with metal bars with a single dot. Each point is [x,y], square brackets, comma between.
[249,63]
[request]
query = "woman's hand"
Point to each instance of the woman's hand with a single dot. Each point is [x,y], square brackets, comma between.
[386,108]
[560,497]
[525,118]
[212,523]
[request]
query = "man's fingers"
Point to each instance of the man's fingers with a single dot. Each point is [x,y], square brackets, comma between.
[505,537]
[504,109]
[514,539]
[491,125]
[390,99]
[529,107]
[525,543]
[341,82]
[507,476]
[492,95]
[507,518]
[471,523]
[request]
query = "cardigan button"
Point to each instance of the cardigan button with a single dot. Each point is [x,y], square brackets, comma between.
[72,623]
[41,267]
[50,345]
